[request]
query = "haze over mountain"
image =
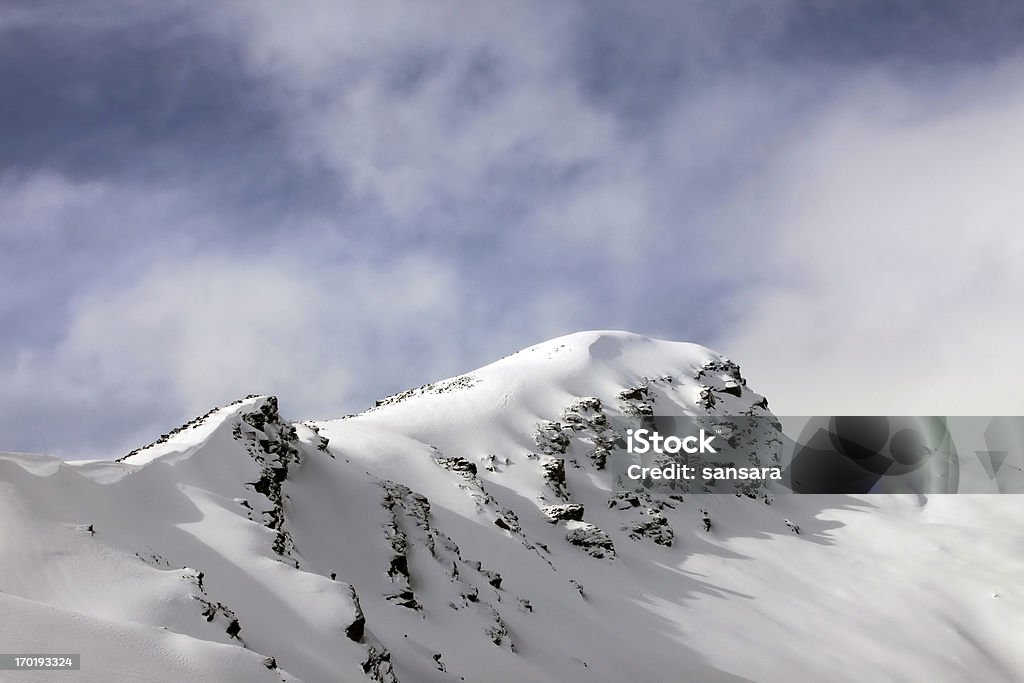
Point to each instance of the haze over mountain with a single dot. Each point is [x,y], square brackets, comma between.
[470,530]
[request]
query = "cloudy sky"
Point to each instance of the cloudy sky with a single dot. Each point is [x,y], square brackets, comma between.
[333,201]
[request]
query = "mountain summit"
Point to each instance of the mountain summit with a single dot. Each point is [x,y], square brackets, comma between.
[470,530]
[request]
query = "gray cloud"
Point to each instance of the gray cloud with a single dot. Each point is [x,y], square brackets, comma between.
[337,200]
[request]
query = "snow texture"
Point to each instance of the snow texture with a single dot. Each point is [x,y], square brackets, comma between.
[469,530]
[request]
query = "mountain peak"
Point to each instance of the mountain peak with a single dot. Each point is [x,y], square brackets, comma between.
[185,438]
[541,381]
[463,528]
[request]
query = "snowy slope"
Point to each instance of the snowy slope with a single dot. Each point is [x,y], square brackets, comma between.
[468,530]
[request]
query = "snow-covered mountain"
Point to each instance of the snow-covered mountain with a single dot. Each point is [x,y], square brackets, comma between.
[469,530]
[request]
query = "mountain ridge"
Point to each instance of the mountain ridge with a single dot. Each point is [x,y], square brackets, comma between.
[465,530]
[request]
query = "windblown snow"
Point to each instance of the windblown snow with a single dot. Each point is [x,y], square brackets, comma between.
[468,530]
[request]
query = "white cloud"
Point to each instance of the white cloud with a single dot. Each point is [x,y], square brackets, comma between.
[165,334]
[42,207]
[212,329]
[887,276]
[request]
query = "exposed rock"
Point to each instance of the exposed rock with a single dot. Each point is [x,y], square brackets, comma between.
[591,538]
[553,470]
[272,443]
[634,394]
[707,398]
[585,413]
[586,418]
[508,520]
[493,577]
[234,628]
[211,609]
[410,514]
[154,559]
[720,372]
[655,528]
[405,598]
[568,511]
[637,401]
[377,665]
[393,500]
[600,452]
[458,464]
[648,521]
[550,438]
[354,631]
[623,500]
[443,387]
[498,631]
[322,442]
